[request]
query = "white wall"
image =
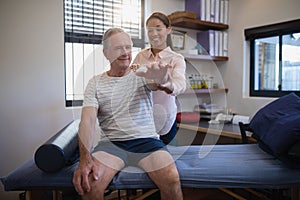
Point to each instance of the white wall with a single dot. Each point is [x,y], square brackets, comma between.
[32,68]
[31,79]
[246,14]
[165,6]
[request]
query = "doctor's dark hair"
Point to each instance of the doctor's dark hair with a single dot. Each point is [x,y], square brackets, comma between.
[166,21]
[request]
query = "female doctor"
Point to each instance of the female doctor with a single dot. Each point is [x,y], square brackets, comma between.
[160,54]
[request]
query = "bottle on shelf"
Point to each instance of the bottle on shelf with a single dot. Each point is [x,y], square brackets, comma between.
[198,81]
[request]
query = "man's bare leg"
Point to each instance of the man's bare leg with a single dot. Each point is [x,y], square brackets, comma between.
[162,170]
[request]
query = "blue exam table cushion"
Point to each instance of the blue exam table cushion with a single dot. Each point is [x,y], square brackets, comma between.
[225,166]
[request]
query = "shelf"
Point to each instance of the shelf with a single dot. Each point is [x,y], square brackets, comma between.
[206,91]
[205,57]
[197,24]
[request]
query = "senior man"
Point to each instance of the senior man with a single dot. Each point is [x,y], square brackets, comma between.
[120,99]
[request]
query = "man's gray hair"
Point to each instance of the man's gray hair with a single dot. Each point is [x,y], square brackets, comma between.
[110,32]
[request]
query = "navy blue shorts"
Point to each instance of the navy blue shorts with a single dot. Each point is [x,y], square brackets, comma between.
[131,151]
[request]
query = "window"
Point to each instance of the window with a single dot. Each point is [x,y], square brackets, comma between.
[85,21]
[274,59]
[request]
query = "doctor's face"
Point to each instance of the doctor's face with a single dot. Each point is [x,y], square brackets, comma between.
[157,33]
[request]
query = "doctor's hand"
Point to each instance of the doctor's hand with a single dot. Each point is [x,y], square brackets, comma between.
[81,178]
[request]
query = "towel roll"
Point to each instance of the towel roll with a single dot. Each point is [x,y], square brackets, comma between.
[59,150]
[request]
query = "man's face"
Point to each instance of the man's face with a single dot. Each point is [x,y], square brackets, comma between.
[119,50]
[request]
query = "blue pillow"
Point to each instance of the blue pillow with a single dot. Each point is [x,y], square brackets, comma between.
[277,125]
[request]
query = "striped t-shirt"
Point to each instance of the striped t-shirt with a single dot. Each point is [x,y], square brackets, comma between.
[124,106]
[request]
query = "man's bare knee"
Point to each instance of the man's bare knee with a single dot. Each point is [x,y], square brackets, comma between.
[106,174]
[166,176]
[97,189]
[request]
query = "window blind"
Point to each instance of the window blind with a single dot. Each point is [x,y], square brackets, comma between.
[87,20]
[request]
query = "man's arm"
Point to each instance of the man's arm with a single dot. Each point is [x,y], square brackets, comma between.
[87,130]
[85,138]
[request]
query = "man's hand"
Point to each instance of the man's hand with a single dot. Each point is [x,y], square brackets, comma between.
[81,180]
[156,72]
